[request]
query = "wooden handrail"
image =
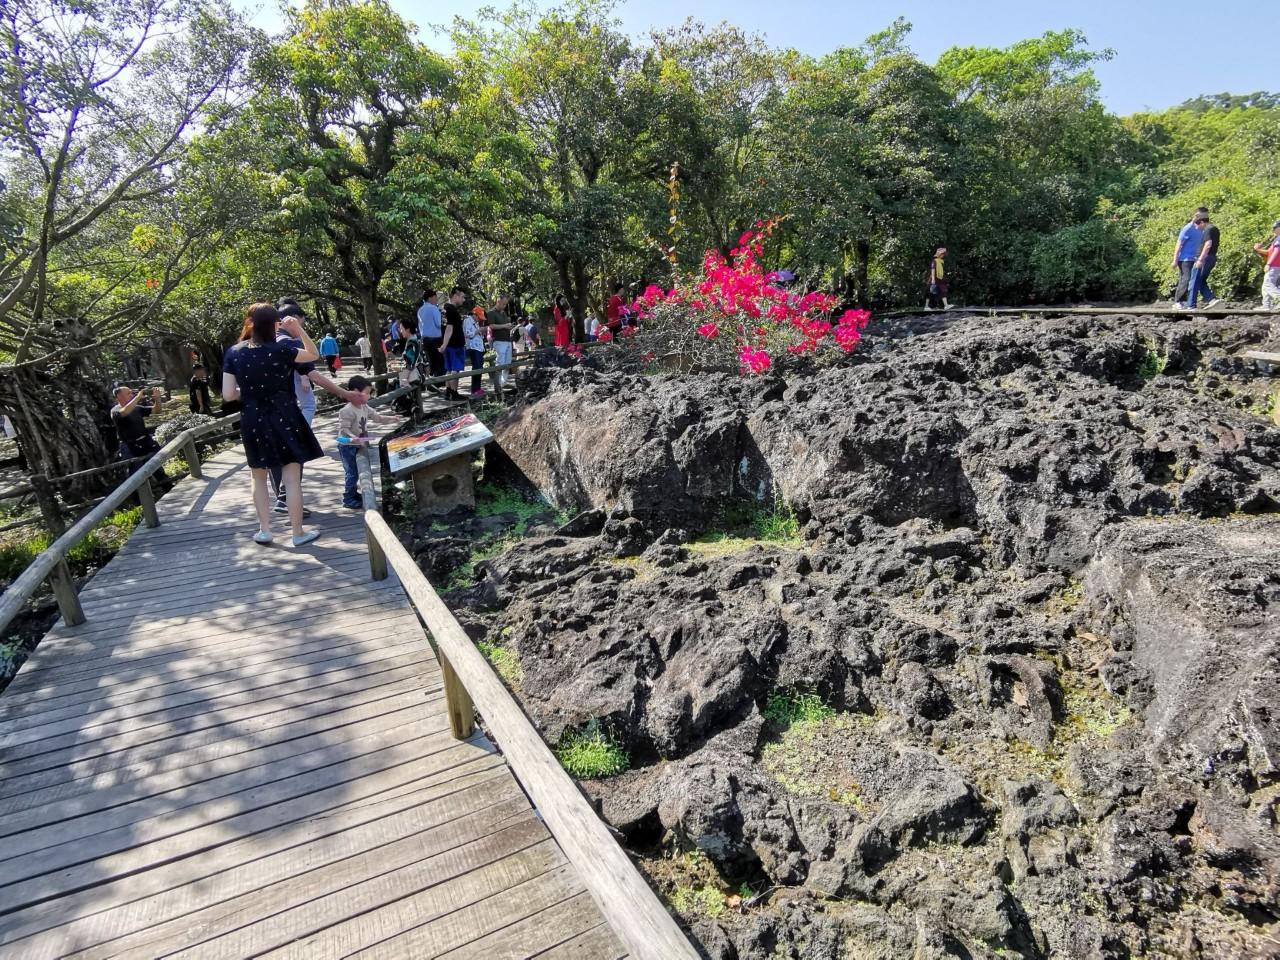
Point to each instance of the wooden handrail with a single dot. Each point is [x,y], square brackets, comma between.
[51,562]
[625,899]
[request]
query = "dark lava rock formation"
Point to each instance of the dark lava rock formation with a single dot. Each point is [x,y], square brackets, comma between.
[1031,611]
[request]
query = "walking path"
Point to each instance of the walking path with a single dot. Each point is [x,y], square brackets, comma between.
[245,752]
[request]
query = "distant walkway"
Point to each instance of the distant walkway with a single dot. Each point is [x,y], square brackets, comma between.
[245,752]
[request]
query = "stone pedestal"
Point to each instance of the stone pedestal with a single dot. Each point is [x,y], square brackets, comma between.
[441,486]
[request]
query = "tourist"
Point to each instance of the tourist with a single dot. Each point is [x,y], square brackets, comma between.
[1203,265]
[329,351]
[431,331]
[411,359]
[259,373]
[1270,252]
[530,338]
[128,416]
[560,313]
[591,326]
[455,350]
[1190,240]
[353,429]
[365,348]
[937,281]
[473,328]
[505,334]
[613,310]
[198,391]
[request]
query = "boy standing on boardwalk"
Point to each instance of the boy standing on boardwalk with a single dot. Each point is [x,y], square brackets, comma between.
[353,430]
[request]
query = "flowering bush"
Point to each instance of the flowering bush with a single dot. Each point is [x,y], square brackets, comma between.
[743,308]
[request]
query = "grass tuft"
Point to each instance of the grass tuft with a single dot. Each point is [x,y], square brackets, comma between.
[786,708]
[504,662]
[698,902]
[591,753]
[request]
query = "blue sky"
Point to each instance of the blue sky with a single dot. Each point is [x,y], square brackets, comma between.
[1151,40]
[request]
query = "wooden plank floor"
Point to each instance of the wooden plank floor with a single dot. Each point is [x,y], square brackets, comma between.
[245,752]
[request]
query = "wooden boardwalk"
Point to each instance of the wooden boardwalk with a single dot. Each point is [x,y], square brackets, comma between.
[245,752]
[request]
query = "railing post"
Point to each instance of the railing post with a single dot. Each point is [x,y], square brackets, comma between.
[148,499]
[64,591]
[191,453]
[377,557]
[462,712]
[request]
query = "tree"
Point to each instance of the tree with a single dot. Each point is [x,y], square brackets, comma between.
[865,143]
[541,153]
[99,103]
[344,90]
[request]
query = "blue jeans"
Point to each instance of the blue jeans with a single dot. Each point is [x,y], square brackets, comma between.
[1199,285]
[350,474]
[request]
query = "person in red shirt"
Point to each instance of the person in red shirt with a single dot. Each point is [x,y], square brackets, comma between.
[613,316]
[560,312]
[1270,251]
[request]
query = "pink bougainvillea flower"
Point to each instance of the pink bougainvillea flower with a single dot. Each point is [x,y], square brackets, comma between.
[759,311]
[605,335]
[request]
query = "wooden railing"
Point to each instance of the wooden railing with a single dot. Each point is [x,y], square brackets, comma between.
[625,899]
[51,563]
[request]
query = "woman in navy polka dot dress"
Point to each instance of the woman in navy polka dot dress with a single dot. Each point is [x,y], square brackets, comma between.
[259,373]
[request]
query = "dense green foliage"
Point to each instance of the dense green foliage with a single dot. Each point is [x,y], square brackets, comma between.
[348,162]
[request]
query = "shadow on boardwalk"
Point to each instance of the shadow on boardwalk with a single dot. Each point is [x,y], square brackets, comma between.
[245,751]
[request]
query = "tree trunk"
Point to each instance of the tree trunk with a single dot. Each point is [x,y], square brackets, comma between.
[861,263]
[171,359]
[582,287]
[61,413]
[372,325]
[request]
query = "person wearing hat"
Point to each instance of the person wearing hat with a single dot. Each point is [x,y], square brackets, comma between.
[1270,252]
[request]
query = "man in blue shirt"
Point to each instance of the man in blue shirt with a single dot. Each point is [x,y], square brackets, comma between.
[1185,254]
[1206,257]
[431,331]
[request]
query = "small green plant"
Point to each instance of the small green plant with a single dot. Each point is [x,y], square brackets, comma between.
[787,708]
[465,575]
[698,901]
[777,522]
[504,661]
[1152,363]
[591,753]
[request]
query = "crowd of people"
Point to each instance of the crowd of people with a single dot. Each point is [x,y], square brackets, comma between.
[1196,253]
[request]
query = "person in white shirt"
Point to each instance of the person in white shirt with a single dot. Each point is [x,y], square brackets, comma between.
[366,351]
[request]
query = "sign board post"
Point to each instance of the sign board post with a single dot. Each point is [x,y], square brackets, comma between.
[439,461]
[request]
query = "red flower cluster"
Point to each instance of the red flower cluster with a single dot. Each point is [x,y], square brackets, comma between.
[737,297]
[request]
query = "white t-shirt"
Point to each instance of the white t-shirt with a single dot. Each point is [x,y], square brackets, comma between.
[363,346]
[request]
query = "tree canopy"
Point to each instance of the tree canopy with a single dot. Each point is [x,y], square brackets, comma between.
[162,165]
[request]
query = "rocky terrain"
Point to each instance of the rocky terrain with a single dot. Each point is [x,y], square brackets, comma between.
[1005,683]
